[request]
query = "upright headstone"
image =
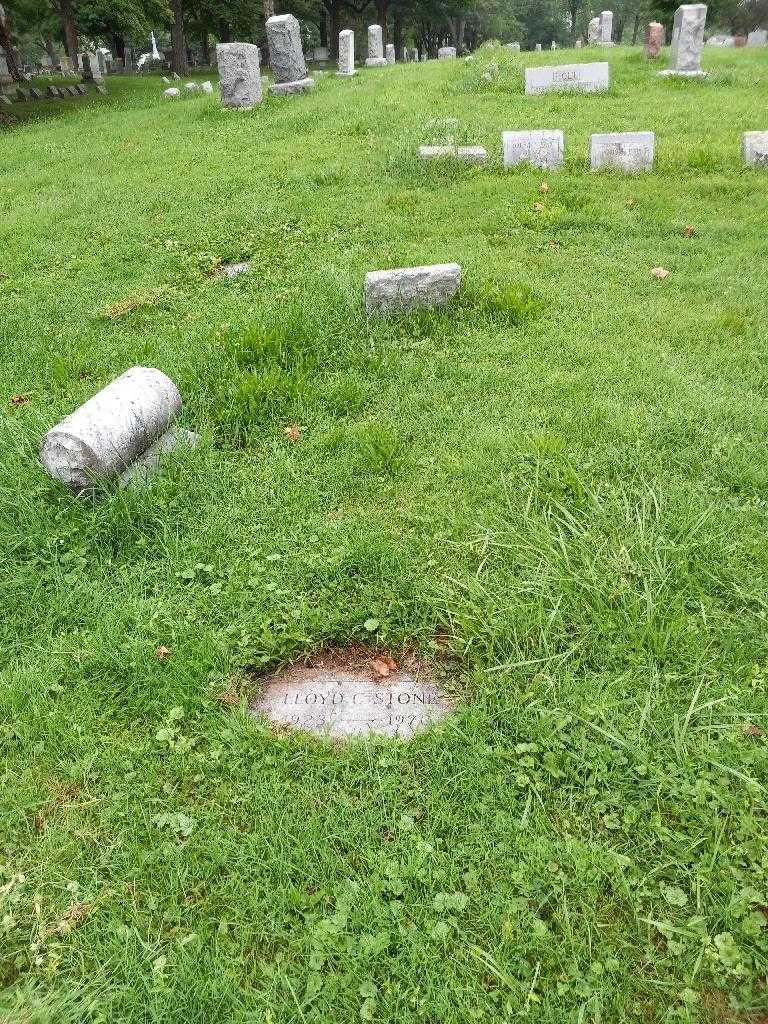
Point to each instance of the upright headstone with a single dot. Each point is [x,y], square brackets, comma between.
[542,149]
[687,41]
[514,47]
[128,58]
[346,53]
[739,41]
[758,37]
[593,32]
[654,39]
[537,48]
[286,56]
[606,29]
[446,53]
[239,75]
[320,53]
[578,44]
[623,151]
[390,53]
[754,149]
[375,58]
[567,78]
[102,61]
[553,45]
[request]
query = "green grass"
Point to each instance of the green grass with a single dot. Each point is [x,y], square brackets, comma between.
[560,483]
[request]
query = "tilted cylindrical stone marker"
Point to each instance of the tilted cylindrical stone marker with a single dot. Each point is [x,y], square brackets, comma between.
[239,75]
[654,39]
[346,53]
[687,41]
[286,56]
[407,289]
[375,58]
[107,434]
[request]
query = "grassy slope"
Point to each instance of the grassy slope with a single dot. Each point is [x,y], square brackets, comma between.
[567,486]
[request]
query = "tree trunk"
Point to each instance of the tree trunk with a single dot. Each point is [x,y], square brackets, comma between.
[573,10]
[381,19]
[619,29]
[269,9]
[117,45]
[225,32]
[333,8]
[635,28]
[7,46]
[397,31]
[322,29]
[205,46]
[69,30]
[178,46]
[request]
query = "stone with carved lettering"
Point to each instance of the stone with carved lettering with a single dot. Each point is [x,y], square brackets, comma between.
[239,75]
[513,47]
[346,53]
[654,39]
[687,41]
[631,152]
[542,149]
[567,78]
[343,701]
[754,149]
[410,288]
[375,58]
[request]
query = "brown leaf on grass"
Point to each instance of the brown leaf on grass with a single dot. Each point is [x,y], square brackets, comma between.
[630,203]
[543,187]
[538,207]
[128,305]
[659,273]
[17,400]
[161,652]
[750,730]
[228,697]
[689,231]
[72,917]
[292,432]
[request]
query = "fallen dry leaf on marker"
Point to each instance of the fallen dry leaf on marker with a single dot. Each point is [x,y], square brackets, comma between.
[384,665]
[689,231]
[538,207]
[19,399]
[293,432]
[544,187]
[162,653]
[659,273]
[751,730]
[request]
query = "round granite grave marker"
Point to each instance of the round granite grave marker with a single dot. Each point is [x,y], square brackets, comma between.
[340,698]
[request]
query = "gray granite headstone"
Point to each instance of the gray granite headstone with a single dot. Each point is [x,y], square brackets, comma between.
[346,53]
[567,78]
[410,288]
[687,41]
[542,149]
[754,149]
[341,703]
[286,56]
[239,75]
[446,53]
[624,151]
[375,58]
[758,37]
[605,29]
[390,53]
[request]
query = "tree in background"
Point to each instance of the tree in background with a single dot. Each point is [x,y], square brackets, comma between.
[7,47]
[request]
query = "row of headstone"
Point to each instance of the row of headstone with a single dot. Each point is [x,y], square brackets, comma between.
[191,87]
[53,92]
[757,37]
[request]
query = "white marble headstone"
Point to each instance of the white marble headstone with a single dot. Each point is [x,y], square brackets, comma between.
[542,149]
[623,151]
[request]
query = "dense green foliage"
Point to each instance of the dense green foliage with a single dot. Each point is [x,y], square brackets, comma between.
[556,488]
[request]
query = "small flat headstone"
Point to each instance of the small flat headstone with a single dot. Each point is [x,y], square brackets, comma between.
[207,88]
[624,151]
[410,288]
[567,78]
[290,88]
[233,270]
[754,149]
[343,702]
[191,86]
[542,149]
[469,154]
[172,93]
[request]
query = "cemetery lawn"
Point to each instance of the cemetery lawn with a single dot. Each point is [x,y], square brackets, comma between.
[557,490]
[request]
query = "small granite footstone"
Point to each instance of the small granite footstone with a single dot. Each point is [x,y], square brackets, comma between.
[469,154]
[407,289]
[239,75]
[624,151]
[541,149]
[754,149]
[567,78]
[289,88]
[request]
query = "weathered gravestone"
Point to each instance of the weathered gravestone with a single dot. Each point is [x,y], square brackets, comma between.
[351,700]
[53,92]
[739,41]
[542,149]
[578,44]
[375,58]
[605,34]
[446,53]
[407,289]
[687,41]
[346,53]
[654,39]
[758,37]
[754,149]
[567,78]
[286,56]
[553,45]
[469,154]
[390,53]
[537,48]
[239,75]
[191,86]
[593,32]
[624,151]
[119,433]
[207,88]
